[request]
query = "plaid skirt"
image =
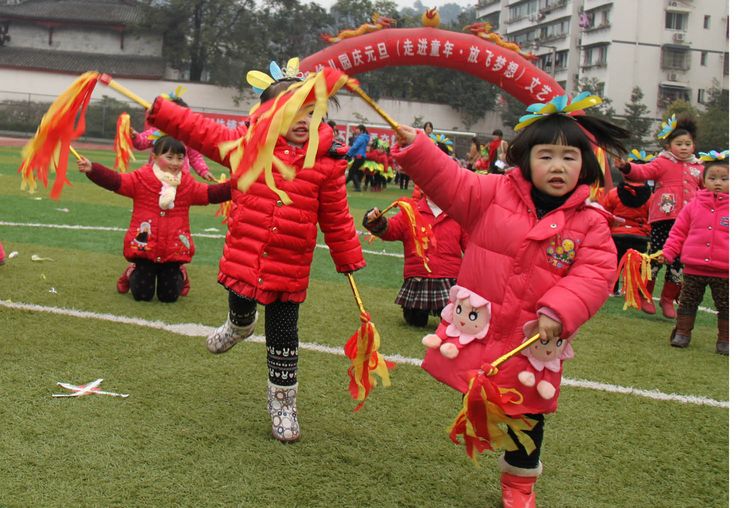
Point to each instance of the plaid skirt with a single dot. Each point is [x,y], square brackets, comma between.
[425,294]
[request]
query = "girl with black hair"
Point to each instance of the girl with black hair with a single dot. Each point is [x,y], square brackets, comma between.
[537,251]
[158,241]
[677,175]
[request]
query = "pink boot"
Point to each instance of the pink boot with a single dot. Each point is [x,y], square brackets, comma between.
[2,254]
[123,283]
[518,485]
[646,306]
[669,295]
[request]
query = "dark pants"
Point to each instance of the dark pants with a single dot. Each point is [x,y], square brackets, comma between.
[404,183]
[625,242]
[355,173]
[282,335]
[416,317]
[693,288]
[659,234]
[520,458]
[164,278]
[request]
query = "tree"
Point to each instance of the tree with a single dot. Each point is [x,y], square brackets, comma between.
[713,123]
[596,87]
[636,119]
[511,109]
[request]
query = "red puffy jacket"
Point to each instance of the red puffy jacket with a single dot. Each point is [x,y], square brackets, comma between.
[269,246]
[161,236]
[565,262]
[635,217]
[444,257]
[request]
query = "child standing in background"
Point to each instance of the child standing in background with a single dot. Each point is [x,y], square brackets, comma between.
[269,245]
[158,241]
[677,176]
[423,293]
[536,251]
[700,238]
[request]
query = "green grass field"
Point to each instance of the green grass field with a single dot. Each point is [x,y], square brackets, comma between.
[194,430]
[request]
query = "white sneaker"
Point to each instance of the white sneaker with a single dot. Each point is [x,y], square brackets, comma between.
[227,335]
[282,406]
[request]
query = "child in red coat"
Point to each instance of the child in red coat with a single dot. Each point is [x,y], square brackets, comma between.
[629,203]
[700,238]
[158,241]
[269,245]
[677,175]
[537,252]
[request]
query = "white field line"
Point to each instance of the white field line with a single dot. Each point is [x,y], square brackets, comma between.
[199,330]
[197,235]
[205,235]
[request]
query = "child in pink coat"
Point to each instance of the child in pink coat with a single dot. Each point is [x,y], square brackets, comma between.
[677,174]
[700,238]
[537,251]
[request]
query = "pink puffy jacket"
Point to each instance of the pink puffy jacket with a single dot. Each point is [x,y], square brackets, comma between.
[193,158]
[269,246]
[676,184]
[565,262]
[700,236]
[444,257]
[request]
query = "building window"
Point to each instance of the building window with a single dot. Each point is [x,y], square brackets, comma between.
[556,30]
[706,21]
[669,94]
[676,21]
[595,56]
[704,58]
[701,96]
[523,10]
[674,58]
[726,64]
[561,60]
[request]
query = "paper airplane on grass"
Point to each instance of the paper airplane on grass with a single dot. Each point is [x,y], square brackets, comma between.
[91,388]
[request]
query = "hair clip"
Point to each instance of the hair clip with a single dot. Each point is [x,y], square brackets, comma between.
[713,156]
[558,105]
[175,94]
[259,80]
[443,139]
[667,127]
[640,156]
[155,135]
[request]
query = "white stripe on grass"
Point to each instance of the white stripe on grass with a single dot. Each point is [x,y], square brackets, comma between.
[198,330]
[122,230]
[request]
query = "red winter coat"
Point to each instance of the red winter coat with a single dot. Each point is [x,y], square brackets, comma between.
[636,218]
[269,246]
[676,184]
[565,262]
[444,258]
[161,236]
[700,236]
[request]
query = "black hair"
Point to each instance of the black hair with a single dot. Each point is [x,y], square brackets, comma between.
[685,125]
[563,129]
[275,88]
[443,147]
[179,102]
[708,165]
[497,132]
[167,144]
[331,123]
[475,141]
[426,124]
[362,128]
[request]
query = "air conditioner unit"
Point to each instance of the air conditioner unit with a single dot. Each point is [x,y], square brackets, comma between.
[672,76]
[678,37]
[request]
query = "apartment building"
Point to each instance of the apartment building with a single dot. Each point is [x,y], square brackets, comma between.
[671,49]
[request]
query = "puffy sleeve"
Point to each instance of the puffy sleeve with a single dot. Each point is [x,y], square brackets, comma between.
[396,229]
[141,140]
[197,162]
[335,220]
[462,194]
[678,233]
[578,295]
[641,172]
[193,129]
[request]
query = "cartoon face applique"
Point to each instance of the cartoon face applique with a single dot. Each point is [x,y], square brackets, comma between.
[561,252]
[468,319]
[667,203]
[140,242]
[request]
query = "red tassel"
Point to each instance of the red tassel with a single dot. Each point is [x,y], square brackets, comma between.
[366,361]
[635,269]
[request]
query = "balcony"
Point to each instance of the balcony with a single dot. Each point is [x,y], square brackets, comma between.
[601,26]
[594,65]
[556,5]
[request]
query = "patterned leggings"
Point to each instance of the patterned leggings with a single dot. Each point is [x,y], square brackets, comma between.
[692,294]
[659,234]
[164,278]
[282,339]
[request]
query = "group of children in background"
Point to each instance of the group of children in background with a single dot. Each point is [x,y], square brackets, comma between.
[529,241]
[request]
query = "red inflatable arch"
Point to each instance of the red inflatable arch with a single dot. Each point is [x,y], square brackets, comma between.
[464,52]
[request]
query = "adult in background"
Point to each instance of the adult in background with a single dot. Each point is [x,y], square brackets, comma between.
[357,154]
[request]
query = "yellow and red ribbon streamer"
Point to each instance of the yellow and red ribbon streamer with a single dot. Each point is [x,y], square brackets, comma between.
[65,120]
[421,231]
[252,155]
[635,269]
[123,144]
[224,207]
[366,361]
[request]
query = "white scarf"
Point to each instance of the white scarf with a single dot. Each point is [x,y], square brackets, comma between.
[169,183]
[435,209]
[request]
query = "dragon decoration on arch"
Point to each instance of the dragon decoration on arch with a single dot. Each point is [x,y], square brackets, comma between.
[378,22]
[484,31]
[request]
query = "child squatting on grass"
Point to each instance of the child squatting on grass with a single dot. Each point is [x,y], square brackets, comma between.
[269,245]
[537,251]
[700,238]
[158,240]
